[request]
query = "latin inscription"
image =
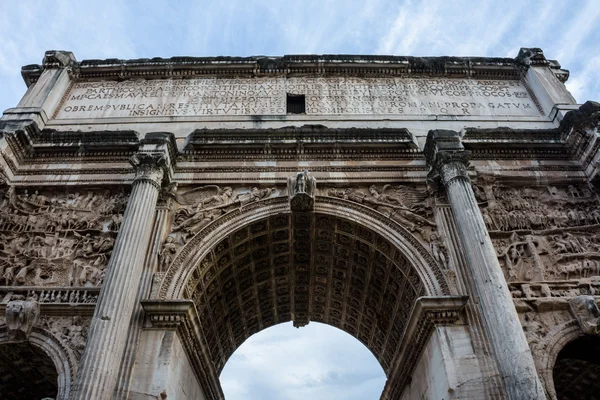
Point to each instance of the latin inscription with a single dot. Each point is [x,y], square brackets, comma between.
[324,96]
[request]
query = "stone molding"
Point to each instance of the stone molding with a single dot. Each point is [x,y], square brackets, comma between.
[362,65]
[33,152]
[54,301]
[427,314]
[167,314]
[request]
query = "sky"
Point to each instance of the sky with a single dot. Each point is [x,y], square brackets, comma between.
[315,362]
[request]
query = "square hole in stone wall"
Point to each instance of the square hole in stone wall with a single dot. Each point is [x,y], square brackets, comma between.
[296,104]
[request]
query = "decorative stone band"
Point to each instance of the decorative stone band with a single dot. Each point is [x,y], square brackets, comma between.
[427,313]
[182,316]
[59,301]
[149,167]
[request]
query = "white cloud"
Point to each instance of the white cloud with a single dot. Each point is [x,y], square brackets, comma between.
[317,362]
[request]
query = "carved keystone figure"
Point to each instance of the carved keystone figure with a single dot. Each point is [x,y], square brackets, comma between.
[21,316]
[585,310]
[301,191]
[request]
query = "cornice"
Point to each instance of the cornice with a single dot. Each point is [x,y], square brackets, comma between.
[325,64]
[515,144]
[308,142]
[32,151]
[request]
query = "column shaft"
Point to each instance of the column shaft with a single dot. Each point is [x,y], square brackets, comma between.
[98,371]
[512,351]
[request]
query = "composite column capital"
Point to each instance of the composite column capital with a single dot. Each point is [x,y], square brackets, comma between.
[446,156]
[151,167]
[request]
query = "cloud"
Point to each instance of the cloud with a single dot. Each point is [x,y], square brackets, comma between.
[150,28]
[316,362]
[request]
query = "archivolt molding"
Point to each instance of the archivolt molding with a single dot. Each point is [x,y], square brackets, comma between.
[63,358]
[173,282]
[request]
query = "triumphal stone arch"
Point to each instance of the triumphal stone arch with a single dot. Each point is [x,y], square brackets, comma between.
[158,212]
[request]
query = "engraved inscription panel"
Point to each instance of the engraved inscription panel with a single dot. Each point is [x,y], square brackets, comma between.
[205,97]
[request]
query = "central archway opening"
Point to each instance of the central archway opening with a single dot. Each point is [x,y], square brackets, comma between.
[316,362]
[302,268]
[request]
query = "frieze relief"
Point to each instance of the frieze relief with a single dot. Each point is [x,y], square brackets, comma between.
[57,238]
[409,206]
[544,233]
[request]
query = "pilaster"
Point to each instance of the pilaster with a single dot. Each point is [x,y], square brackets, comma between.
[449,166]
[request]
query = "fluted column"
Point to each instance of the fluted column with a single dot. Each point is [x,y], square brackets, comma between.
[98,371]
[449,163]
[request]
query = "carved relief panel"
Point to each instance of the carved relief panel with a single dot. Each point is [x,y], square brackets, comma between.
[544,233]
[56,237]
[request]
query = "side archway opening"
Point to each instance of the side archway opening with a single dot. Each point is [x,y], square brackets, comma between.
[576,371]
[26,373]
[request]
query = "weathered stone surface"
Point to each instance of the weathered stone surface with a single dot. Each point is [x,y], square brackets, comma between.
[216,229]
[209,97]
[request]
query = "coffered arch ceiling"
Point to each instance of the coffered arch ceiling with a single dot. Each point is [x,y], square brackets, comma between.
[304,267]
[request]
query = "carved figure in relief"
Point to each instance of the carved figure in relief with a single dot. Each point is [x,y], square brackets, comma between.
[223,197]
[489,223]
[301,182]
[401,203]
[167,253]
[197,207]
[438,249]
[71,331]
[301,191]
[255,194]
[573,192]
[585,310]
[21,316]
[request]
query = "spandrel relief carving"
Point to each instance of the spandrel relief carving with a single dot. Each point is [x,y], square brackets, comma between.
[409,206]
[196,207]
[545,233]
[541,208]
[57,238]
